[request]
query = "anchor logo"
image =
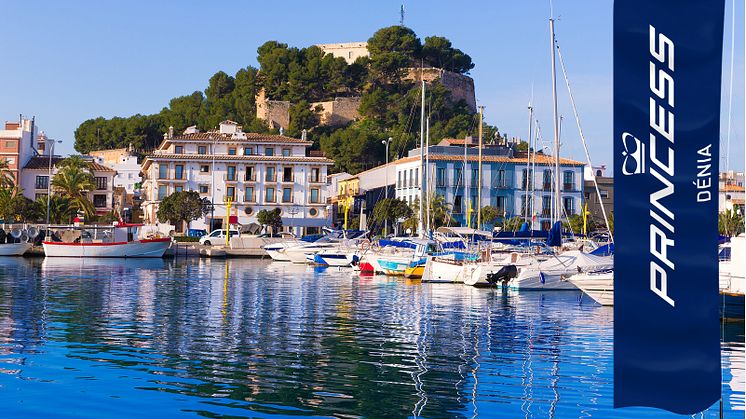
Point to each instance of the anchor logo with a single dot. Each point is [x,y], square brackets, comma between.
[634,161]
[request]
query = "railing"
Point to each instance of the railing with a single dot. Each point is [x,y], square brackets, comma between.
[568,187]
[316,179]
[287,179]
[547,186]
[268,178]
[251,178]
[546,213]
[229,178]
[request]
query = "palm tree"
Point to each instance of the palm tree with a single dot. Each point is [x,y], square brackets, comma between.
[730,223]
[74,182]
[7,179]
[61,209]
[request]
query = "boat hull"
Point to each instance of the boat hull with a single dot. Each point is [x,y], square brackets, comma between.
[443,271]
[598,286]
[149,248]
[14,249]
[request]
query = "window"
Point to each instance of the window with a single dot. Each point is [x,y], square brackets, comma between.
[500,203]
[440,177]
[230,173]
[313,212]
[501,183]
[568,180]
[546,206]
[315,174]
[179,171]
[569,204]
[457,205]
[179,149]
[248,195]
[162,192]
[547,180]
[42,182]
[411,177]
[604,193]
[205,168]
[269,196]
[162,171]
[99,201]
[269,176]
[314,196]
[203,189]
[11,144]
[457,180]
[230,193]
[101,183]
[525,204]
[525,181]
[475,178]
[178,188]
[398,180]
[232,151]
[287,195]
[247,151]
[268,151]
[416,179]
[249,174]
[598,173]
[287,174]
[285,152]
[202,149]
[404,183]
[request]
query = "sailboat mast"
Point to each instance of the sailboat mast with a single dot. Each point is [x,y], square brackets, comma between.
[466,190]
[531,160]
[479,175]
[527,179]
[557,213]
[427,175]
[420,223]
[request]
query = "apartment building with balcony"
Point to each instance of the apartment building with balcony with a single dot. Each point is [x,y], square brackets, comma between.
[515,182]
[35,182]
[253,171]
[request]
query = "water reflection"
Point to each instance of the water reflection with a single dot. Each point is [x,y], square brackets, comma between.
[236,337]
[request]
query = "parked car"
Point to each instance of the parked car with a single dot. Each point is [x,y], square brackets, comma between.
[196,232]
[217,237]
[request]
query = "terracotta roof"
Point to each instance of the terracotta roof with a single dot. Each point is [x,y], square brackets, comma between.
[250,136]
[732,188]
[519,158]
[224,157]
[39,163]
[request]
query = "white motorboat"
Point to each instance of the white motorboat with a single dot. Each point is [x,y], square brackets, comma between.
[118,241]
[276,251]
[597,285]
[551,274]
[477,274]
[334,258]
[14,249]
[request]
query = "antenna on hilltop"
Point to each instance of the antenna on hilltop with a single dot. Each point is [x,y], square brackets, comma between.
[401,16]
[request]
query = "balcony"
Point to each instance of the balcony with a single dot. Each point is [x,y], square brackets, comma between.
[568,187]
[288,179]
[546,213]
[268,178]
[250,178]
[316,179]
[547,186]
[230,178]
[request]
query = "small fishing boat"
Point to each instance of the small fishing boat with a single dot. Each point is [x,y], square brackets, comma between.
[14,249]
[117,241]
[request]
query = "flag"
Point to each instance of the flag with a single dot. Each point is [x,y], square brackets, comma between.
[667,77]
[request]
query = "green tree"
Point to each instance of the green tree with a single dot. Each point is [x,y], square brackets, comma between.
[7,179]
[270,218]
[183,111]
[491,214]
[393,50]
[513,224]
[184,206]
[439,52]
[391,210]
[60,209]
[301,117]
[440,213]
[21,209]
[74,182]
[730,223]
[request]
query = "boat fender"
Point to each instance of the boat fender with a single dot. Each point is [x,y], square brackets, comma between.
[355,260]
[503,275]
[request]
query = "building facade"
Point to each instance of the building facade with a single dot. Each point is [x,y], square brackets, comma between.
[253,171]
[127,179]
[35,178]
[508,182]
[19,142]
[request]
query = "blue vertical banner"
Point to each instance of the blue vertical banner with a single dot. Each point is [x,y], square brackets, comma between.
[667,75]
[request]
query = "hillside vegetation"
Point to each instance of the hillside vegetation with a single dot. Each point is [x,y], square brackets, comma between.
[390,104]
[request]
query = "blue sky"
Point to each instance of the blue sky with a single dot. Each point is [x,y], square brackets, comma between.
[69,61]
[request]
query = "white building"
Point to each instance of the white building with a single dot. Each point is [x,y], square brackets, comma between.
[35,182]
[19,142]
[256,171]
[505,178]
[731,191]
[124,162]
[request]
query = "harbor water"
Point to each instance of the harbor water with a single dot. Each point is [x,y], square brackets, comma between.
[248,338]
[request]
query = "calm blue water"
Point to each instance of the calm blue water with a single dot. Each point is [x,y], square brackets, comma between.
[164,339]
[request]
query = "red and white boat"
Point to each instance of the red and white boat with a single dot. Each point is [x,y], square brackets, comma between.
[117,241]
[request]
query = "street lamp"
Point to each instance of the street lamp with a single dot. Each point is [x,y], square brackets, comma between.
[386,186]
[49,178]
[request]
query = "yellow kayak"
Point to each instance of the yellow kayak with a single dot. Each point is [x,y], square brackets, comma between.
[414,272]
